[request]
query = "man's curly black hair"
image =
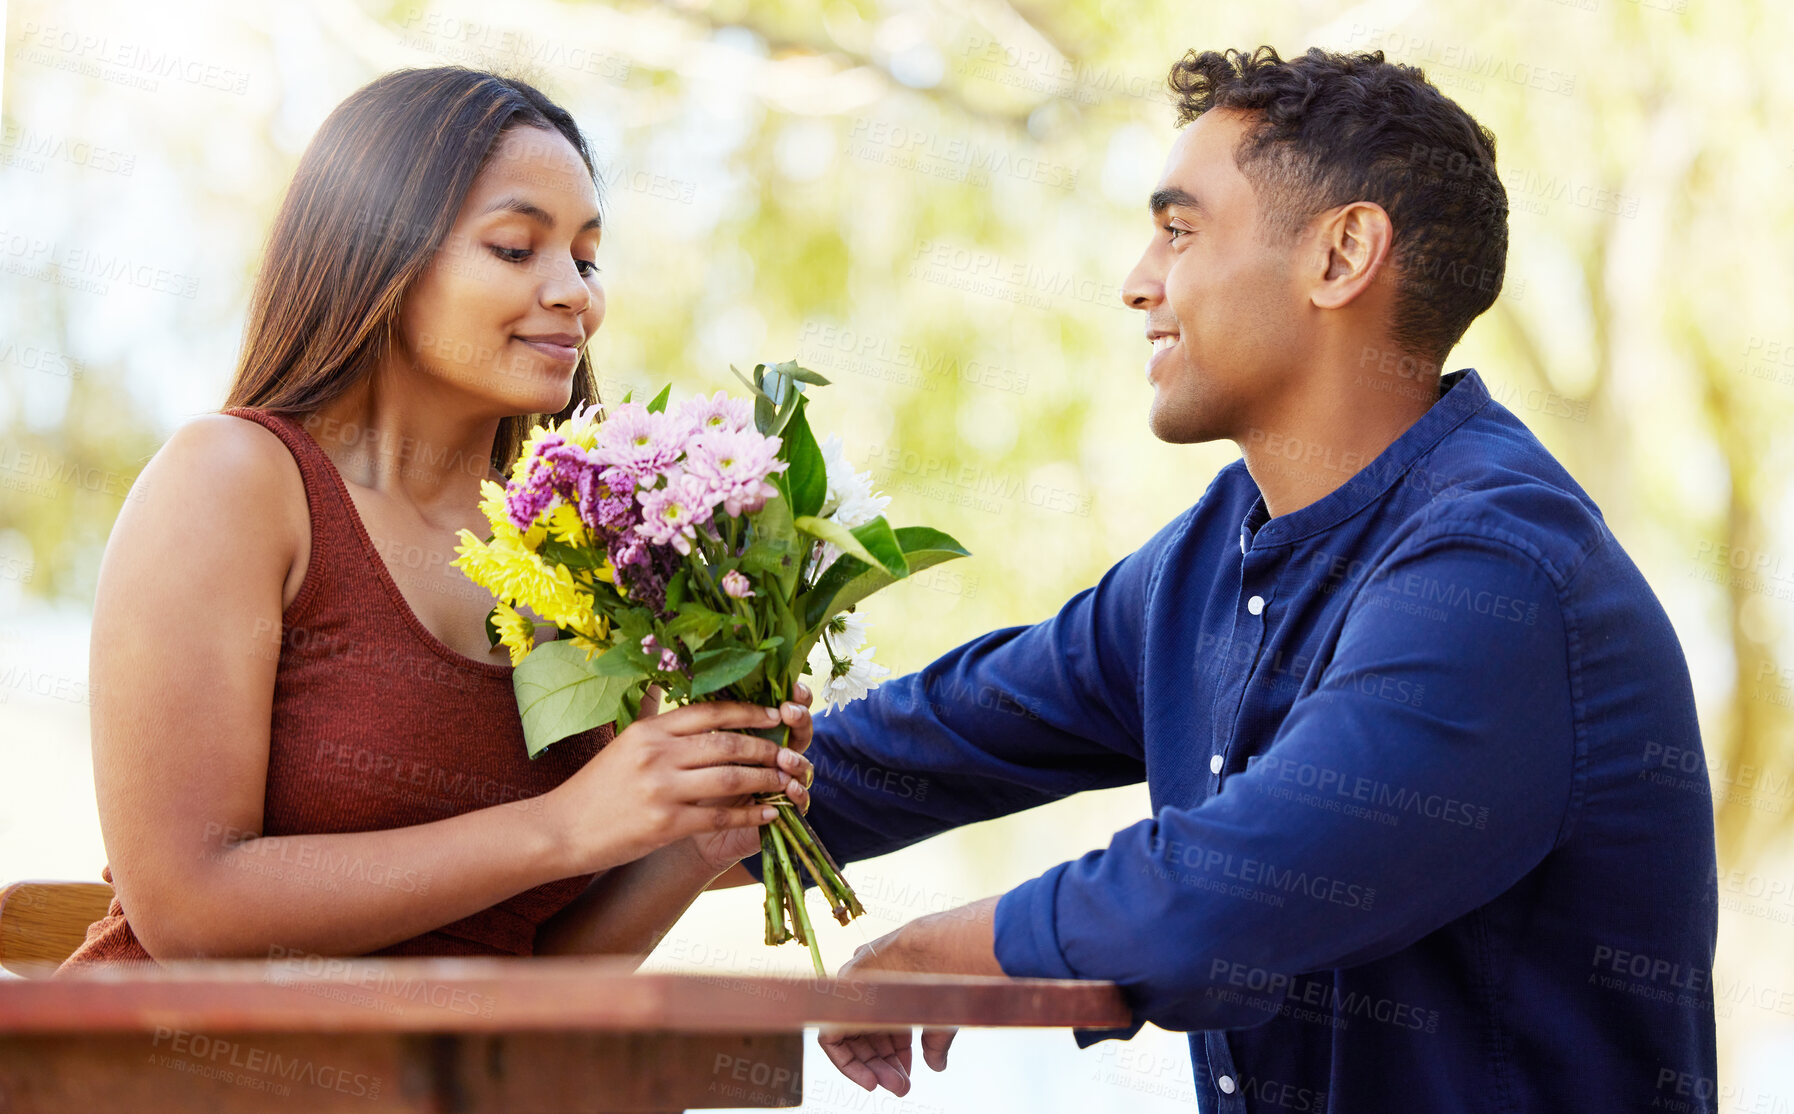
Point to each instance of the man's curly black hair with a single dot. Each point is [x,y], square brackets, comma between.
[1335,128]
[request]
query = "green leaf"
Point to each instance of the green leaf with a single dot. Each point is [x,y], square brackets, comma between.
[619,661]
[627,395]
[659,404]
[572,556]
[746,382]
[695,625]
[559,694]
[676,589]
[715,669]
[492,626]
[808,474]
[851,579]
[783,545]
[873,543]
[790,370]
[630,706]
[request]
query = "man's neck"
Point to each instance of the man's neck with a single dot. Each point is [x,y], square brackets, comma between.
[1316,441]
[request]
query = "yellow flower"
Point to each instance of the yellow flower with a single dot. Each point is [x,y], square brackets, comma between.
[515,632]
[584,434]
[508,569]
[564,525]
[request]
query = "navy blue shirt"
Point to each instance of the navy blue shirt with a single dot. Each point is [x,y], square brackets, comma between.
[1422,833]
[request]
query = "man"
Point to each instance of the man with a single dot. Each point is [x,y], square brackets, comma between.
[1393,685]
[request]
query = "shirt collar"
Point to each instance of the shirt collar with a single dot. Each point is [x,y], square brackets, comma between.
[1461,394]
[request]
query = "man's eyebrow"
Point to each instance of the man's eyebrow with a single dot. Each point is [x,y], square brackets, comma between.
[1171,195]
[534,212]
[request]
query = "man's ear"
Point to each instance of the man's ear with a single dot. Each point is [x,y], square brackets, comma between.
[1352,243]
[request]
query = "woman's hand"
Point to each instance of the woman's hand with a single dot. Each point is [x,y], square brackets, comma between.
[671,775]
[720,850]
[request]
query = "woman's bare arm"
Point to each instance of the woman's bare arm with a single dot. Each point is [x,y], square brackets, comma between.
[186,638]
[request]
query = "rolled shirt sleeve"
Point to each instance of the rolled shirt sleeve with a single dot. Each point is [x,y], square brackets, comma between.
[1288,869]
[1009,720]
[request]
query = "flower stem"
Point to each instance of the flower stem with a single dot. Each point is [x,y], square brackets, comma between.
[795,895]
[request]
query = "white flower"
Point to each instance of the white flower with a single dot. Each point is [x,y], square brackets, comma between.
[844,640]
[861,674]
[843,636]
[849,500]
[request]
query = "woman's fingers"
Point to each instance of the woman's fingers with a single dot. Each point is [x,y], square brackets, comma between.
[736,781]
[718,818]
[716,715]
[725,747]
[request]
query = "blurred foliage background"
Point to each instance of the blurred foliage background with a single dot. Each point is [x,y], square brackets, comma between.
[934,204]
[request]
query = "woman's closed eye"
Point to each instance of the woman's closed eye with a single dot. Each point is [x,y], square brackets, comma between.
[586,267]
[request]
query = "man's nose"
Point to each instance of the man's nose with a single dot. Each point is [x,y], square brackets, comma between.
[1145,284]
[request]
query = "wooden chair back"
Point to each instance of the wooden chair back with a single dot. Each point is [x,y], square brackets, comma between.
[42,923]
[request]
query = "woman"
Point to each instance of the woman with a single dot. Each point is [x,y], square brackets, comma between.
[303,738]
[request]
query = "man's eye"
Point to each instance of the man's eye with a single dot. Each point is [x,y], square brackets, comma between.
[1174,233]
[583,264]
[511,255]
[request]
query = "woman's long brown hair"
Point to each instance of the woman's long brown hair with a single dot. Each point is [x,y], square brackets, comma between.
[375,193]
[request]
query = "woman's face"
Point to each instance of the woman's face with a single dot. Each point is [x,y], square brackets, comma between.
[512,295]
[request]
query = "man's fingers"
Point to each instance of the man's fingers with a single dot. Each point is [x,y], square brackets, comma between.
[935,1043]
[884,1045]
[835,1048]
[885,1068]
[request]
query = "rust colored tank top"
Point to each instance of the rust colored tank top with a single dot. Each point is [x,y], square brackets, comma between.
[379,724]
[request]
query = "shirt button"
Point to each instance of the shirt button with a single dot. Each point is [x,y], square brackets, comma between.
[1256,605]
[1214,764]
[1226,1084]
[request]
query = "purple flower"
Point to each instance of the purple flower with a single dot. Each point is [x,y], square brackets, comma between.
[736,585]
[557,469]
[719,413]
[672,514]
[734,465]
[642,444]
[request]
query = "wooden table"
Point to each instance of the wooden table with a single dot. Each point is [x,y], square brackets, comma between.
[526,1036]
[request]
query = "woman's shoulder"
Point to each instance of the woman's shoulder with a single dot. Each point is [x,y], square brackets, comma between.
[221,473]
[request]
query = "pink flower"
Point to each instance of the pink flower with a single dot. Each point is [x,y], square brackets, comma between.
[672,514]
[669,661]
[736,585]
[719,413]
[735,464]
[642,444]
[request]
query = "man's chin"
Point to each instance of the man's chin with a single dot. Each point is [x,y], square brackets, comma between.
[1178,428]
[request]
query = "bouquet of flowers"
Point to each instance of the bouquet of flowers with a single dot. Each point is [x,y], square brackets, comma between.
[714,551]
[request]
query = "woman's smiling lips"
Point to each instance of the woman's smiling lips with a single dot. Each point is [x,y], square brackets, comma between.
[1162,342]
[562,348]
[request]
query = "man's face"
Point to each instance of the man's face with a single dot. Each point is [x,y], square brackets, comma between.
[1224,309]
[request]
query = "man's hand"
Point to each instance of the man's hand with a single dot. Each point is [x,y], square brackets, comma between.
[957,942]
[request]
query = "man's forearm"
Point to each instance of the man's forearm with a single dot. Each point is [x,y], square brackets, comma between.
[958,941]
[627,910]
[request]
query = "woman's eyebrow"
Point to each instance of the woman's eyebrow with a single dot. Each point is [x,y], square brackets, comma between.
[535,212]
